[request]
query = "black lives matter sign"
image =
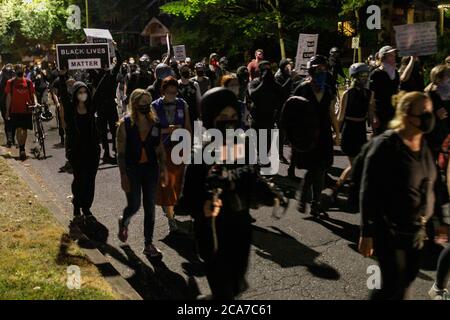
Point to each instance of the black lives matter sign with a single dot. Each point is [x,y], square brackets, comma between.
[83,56]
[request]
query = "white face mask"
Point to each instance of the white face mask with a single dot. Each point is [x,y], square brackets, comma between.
[82,97]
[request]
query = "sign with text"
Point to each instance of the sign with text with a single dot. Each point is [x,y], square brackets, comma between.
[100,36]
[418,39]
[355,42]
[307,48]
[179,52]
[83,56]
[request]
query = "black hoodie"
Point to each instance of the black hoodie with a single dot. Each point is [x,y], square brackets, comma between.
[78,141]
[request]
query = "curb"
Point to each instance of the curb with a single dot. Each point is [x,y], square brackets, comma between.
[114,278]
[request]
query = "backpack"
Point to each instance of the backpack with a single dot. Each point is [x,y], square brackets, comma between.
[300,120]
[358,168]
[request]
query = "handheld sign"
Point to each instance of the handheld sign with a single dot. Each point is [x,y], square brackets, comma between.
[100,36]
[83,56]
[355,42]
[179,52]
[418,39]
[307,47]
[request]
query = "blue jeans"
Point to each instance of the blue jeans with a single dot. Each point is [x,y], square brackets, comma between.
[143,178]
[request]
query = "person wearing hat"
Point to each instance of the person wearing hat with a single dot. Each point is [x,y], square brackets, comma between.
[267,100]
[336,69]
[384,82]
[162,71]
[82,144]
[223,63]
[357,106]
[214,71]
[314,148]
[201,78]
[140,78]
[219,197]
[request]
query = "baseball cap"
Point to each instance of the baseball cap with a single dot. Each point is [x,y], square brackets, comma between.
[385,50]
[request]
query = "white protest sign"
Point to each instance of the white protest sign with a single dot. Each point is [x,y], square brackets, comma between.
[418,39]
[355,42]
[307,48]
[83,56]
[179,52]
[100,36]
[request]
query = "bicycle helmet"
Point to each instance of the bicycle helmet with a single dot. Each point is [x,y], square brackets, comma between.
[358,68]
[335,50]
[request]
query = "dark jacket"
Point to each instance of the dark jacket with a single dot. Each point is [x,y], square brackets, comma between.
[78,143]
[397,188]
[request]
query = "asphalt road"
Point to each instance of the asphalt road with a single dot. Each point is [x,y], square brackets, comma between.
[298,257]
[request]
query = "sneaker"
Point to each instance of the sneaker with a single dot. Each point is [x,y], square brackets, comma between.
[291,173]
[22,156]
[437,294]
[152,252]
[173,226]
[123,231]
[302,207]
[108,159]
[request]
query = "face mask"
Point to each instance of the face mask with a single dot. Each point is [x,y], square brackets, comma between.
[82,97]
[427,122]
[19,74]
[144,109]
[390,69]
[320,79]
[185,74]
[200,73]
[223,125]
[443,89]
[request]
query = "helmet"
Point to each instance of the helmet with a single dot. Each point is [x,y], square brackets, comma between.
[163,71]
[335,50]
[46,115]
[358,68]
[144,58]
[200,66]
[316,61]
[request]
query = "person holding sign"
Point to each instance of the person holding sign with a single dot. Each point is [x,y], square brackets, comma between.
[384,82]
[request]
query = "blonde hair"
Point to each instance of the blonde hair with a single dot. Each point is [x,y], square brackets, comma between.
[404,102]
[135,97]
[439,72]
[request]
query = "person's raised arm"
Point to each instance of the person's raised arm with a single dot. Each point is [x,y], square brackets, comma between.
[406,74]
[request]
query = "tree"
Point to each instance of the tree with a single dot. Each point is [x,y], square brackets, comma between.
[26,23]
[236,26]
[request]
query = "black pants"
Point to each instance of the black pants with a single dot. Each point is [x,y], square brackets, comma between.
[10,131]
[443,270]
[107,123]
[399,268]
[83,185]
[225,269]
[312,185]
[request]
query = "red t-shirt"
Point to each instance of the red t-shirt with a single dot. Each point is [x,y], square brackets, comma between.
[21,94]
[253,69]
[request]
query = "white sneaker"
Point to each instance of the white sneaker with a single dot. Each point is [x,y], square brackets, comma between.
[437,294]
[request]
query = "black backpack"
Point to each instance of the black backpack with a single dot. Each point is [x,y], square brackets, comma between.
[300,120]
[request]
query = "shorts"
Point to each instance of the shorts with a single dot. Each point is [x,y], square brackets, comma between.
[22,120]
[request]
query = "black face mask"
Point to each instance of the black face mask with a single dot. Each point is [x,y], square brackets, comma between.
[144,109]
[185,74]
[223,125]
[200,73]
[19,74]
[427,122]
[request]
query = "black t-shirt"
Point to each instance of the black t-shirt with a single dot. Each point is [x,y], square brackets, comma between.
[384,89]
[397,187]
